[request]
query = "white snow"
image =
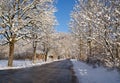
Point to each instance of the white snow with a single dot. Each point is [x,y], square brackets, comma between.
[88,74]
[17,64]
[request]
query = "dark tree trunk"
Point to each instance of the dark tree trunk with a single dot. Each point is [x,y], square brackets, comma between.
[46,54]
[34,55]
[11,54]
[45,57]
[90,40]
[90,48]
[46,50]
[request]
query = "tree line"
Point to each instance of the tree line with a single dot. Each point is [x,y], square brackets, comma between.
[96,23]
[30,20]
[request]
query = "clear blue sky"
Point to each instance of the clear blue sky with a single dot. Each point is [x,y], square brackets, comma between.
[64,8]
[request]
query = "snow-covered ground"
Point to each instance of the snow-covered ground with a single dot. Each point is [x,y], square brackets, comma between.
[17,64]
[88,74]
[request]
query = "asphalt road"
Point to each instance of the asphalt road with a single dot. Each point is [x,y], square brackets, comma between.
[56,72]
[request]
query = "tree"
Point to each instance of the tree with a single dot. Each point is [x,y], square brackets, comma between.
[96,22]
[15,17]
[81,25]
[40,30]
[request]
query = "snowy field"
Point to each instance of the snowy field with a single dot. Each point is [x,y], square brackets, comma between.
[17,64]
[88,74]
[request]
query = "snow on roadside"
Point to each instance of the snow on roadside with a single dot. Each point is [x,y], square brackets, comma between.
[18,64]
[88,74]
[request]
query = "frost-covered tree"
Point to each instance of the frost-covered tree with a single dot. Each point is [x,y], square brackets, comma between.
[81,25]
[97,23]
[64,45]
[16,16]
[41,30]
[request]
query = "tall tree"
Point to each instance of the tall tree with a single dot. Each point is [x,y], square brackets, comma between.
[15,17]
[40,30]
[98,23]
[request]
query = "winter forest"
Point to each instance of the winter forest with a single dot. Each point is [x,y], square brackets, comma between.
[28,33]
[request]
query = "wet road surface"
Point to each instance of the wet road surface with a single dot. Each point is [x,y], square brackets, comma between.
[56,72]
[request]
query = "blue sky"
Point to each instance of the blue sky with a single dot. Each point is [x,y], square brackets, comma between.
[64,8]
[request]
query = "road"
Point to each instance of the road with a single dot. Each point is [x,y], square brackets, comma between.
[56,72]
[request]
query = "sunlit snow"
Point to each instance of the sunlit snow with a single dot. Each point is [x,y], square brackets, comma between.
[17,64]
[88,74]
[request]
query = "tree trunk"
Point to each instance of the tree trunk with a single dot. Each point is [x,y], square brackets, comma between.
[34,51]
[117,51]
[11,54]
[34,55]
[46,50]
[89,40]
[90,48]
[46,55]
[80,48]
